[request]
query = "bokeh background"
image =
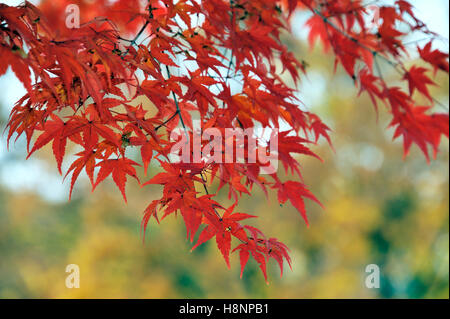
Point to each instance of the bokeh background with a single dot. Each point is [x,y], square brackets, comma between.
[379,209]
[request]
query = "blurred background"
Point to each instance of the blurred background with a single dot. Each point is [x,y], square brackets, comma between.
[379,209]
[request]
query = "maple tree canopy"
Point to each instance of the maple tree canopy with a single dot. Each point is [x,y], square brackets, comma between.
[82,84]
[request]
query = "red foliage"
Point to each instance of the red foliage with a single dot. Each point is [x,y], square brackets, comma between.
[82,82]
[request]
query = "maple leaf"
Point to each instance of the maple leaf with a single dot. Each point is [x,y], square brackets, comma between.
[147,154]
[295,192]
[318,31]
[436,58]
[279,252]
[421,128]
[319,129]
[244,255]
[14,57]
[417,79]
[371,84]
[174,176]
[292,144]
[119,169]
[223,229]
[56,130]
[86,160]
[252,248]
